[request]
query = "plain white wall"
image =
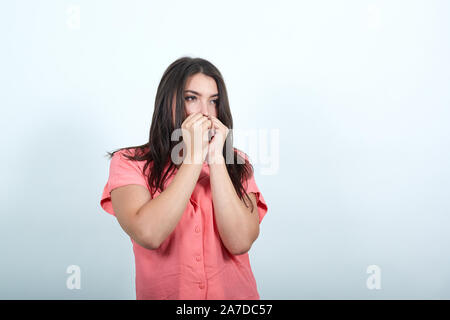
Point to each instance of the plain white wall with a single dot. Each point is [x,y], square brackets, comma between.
[359,94]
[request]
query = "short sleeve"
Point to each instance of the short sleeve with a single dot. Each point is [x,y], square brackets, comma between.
[251,186]
[122,171]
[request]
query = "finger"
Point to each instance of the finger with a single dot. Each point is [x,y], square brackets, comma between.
[207,124]
[187,120]
[216,122]
[200,120]
[189,117]
[215,119]
[211,121]
[194,117]
[202,124]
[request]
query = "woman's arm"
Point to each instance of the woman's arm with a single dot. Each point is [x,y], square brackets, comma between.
[238,226]
[162,214]
[155,220]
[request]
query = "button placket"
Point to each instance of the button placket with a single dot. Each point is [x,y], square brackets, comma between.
[198,258]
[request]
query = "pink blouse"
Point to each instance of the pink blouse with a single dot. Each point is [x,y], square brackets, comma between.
[192,262]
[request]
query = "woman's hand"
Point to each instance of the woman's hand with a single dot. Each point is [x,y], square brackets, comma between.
[195,129]
[215,149]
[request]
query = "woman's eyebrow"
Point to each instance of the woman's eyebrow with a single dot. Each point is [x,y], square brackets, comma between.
[195,92]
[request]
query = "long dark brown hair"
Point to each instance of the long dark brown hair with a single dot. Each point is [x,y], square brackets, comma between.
[159,147]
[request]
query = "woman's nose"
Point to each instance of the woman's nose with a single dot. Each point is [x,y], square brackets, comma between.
[204,109]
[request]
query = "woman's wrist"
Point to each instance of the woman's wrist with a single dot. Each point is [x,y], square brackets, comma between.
[216,160]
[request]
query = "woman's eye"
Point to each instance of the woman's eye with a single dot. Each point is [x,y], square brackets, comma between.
[191,98]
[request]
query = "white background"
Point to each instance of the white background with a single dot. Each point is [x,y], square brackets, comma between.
[359,91]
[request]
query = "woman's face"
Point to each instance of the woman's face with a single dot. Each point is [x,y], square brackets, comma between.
[200,95]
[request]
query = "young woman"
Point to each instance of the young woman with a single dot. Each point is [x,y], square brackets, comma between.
[191,222]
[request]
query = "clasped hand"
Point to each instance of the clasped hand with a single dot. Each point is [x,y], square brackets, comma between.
[204,138]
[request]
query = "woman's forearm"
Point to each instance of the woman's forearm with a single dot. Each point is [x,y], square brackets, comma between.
[160,216]
[234,220]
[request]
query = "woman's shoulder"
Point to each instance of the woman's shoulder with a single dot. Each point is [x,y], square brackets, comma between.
[134,152]
[130,157]
[243,155]
[240,152]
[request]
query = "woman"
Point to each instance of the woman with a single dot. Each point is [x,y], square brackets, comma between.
[191,215]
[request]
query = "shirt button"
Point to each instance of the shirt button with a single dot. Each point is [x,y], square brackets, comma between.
[197,229]
[198,258]
[201,285]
